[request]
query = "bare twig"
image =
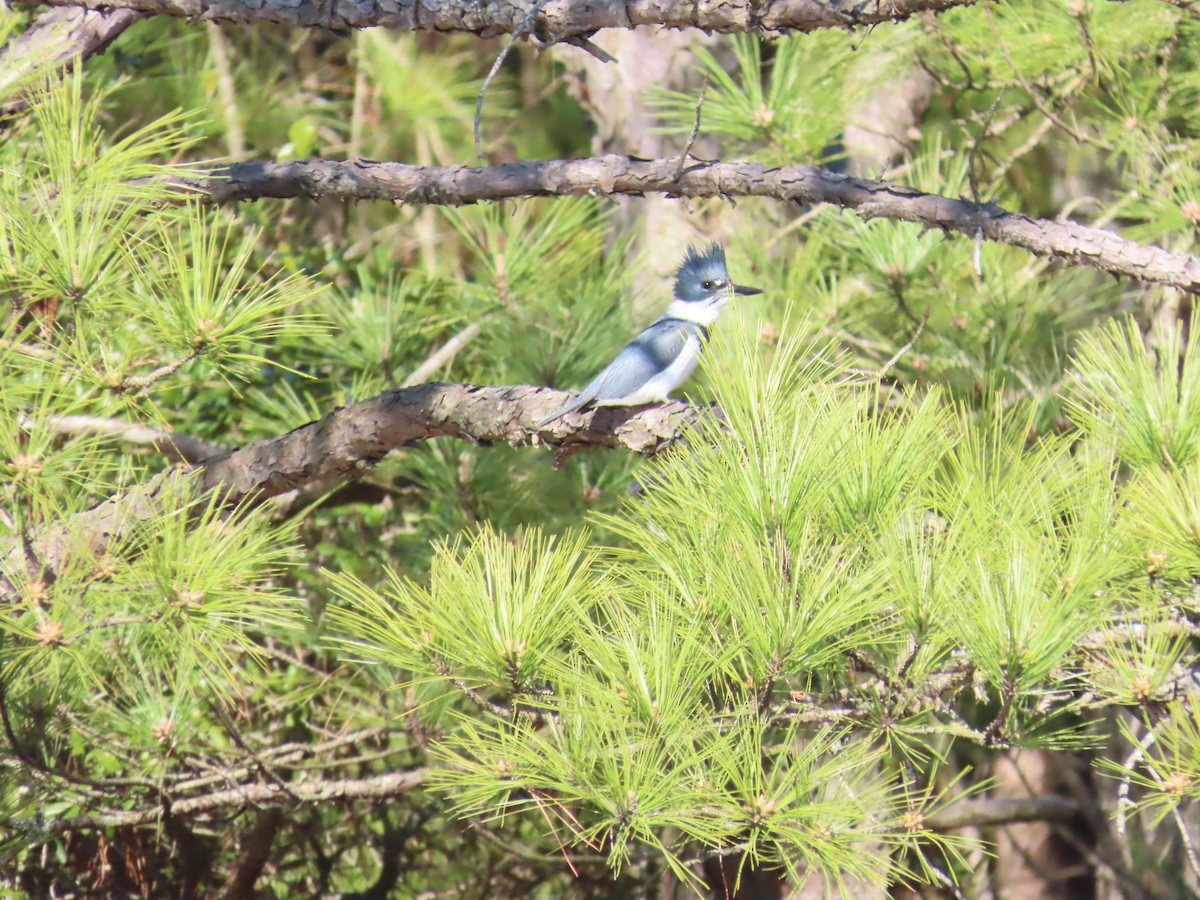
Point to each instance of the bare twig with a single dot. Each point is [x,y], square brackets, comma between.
[264,768]
[235,134]
[176,447]
[1136,755]
[378,787]
[445,353]
[1013,156]
[141,384]
[522,28]
[285,754]
[1039,102]
[687,148]
[896,357]
[1123,801]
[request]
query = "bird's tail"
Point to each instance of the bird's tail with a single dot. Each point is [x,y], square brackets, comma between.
[564,410]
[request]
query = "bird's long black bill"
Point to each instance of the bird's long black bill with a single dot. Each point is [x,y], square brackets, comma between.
[745,291]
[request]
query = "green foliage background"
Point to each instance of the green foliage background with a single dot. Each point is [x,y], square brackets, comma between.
[792,644]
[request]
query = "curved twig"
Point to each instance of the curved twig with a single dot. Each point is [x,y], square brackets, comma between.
[520,31]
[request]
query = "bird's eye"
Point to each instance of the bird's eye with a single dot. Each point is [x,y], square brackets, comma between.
[707,285]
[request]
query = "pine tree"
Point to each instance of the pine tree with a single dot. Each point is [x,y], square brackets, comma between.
[932,526]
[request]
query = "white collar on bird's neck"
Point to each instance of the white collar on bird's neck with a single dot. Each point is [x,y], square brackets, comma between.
[702,312]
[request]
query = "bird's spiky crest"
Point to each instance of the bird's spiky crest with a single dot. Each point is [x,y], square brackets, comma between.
[699,260]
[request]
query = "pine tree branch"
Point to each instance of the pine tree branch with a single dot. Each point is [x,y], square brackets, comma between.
[343,447]
[1064,242]
[559,21]
[346,443]
[964,814]
[176,447]
[60,38]
[1003,811]
[378,787]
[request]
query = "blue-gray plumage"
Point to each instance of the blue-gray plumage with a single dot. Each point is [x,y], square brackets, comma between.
[661,358]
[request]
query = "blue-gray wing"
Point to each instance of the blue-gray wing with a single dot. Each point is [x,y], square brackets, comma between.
[650,353]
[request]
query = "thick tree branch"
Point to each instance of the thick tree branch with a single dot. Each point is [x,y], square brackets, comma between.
[559,21]
[1065,242]
[378,787]
[58,38]
[343,447]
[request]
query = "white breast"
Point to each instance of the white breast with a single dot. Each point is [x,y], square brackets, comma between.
[658,388]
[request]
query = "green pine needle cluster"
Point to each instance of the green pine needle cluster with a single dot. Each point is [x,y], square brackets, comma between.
[687,669]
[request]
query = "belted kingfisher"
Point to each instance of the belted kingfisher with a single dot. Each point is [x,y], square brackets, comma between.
[661,358]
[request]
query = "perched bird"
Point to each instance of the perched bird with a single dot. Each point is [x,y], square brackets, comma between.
[661,358]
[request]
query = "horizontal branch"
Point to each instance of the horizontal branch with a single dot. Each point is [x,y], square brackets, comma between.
[343,447]
[976,813]
[378,787]
[1065,242]
[984,812]
[559,20]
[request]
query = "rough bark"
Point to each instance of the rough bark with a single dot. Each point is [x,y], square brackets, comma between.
[1063,241]
[343,447]
[560,19]
[340,447]
[58,38]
